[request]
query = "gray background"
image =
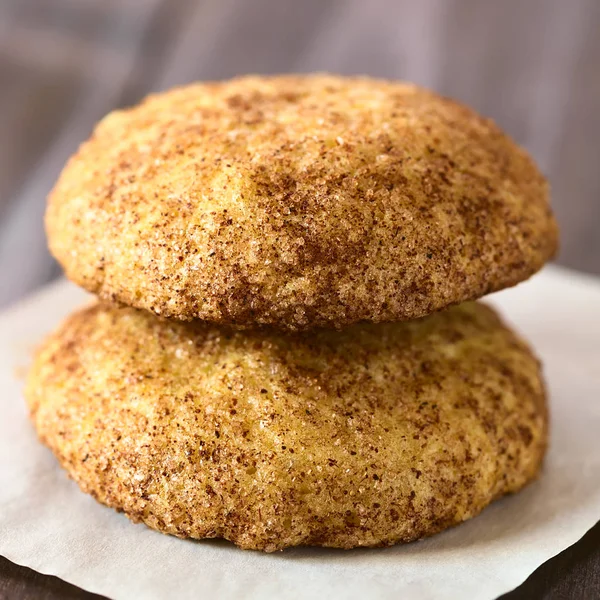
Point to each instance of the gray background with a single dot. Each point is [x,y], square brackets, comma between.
[533,65]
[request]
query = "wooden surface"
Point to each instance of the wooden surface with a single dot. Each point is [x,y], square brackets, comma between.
[533,65]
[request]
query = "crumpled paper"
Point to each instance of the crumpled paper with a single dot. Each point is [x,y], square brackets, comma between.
[46,523]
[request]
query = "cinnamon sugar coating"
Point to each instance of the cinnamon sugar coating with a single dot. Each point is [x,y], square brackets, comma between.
[371,436]
[299,202]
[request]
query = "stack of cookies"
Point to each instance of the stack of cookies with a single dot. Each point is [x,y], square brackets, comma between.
[285,349]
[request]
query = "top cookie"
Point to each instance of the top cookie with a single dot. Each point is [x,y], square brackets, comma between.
[299,202]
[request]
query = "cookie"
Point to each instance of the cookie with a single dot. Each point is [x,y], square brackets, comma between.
[299,202]
[371,436]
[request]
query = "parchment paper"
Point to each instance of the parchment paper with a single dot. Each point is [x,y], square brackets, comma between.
[46,523]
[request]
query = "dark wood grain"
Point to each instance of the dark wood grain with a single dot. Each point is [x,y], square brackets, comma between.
[21,583]
[574,574]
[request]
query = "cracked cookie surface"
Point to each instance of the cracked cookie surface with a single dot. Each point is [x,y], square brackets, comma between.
[371,436]
[299,202]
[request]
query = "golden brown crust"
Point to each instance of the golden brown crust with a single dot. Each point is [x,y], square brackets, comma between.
[371,436]
[298,202]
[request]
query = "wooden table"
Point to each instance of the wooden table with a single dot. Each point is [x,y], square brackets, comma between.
[533,66]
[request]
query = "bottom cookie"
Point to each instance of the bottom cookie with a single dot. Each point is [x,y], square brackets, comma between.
[370,436]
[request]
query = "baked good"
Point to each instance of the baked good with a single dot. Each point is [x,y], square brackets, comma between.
[299,202]
[370,436]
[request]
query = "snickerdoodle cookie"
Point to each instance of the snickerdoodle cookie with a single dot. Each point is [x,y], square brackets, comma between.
[299,202]
[367,437]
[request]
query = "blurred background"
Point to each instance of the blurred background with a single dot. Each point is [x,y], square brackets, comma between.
[532,65]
